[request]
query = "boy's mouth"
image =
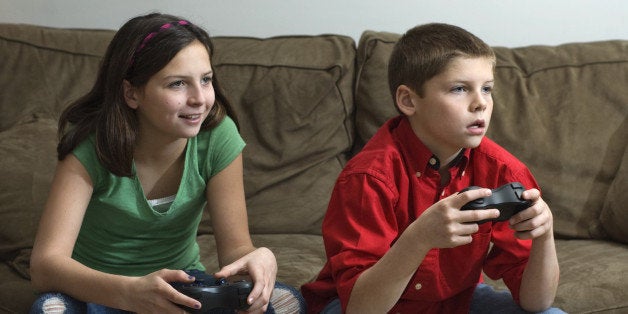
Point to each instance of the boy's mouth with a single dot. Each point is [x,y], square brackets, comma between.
[477,127]
[477,124]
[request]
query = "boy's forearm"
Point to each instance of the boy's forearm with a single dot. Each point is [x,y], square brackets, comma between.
[379,288]
[540,278]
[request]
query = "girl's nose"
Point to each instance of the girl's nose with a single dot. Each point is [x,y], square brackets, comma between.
[197,97]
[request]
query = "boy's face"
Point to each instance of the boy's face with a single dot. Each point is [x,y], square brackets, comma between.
[456,107]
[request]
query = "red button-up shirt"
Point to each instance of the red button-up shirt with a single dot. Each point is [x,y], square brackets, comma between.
[383,189]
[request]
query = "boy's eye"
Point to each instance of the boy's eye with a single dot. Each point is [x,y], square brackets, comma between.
[458,89]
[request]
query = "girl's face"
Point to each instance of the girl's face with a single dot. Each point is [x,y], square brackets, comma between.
[175,101]
[456,108]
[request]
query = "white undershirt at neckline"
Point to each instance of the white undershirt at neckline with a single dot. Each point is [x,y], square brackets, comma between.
[161,201]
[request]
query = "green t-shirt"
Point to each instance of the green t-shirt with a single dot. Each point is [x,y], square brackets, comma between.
[122,234]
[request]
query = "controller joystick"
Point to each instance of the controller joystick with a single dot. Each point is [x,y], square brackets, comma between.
[506,198]
[215,293]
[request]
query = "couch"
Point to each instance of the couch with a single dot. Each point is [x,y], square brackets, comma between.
[306,104]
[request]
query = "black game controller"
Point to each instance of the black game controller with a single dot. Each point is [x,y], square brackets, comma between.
[506,198]
[215,293]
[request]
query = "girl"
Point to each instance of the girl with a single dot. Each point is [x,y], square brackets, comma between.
[153,143]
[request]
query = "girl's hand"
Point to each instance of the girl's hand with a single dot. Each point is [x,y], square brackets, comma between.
[534,222]
[261,266]
[154,294]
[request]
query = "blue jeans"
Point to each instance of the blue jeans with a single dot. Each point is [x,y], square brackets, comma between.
[44,303]
[485,301]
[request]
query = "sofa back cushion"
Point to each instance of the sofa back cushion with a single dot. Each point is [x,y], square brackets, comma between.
[45,68]
[561,110]
[28,159]
[614,216]
[293,97]
[294,100]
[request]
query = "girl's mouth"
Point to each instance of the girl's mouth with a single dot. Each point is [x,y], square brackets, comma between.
[190,116]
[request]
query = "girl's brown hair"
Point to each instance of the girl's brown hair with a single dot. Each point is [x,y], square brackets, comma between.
[141,48]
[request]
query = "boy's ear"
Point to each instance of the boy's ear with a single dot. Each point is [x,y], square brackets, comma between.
[130,94]
[404,102]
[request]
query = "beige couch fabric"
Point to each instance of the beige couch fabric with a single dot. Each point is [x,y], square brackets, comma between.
[305,104]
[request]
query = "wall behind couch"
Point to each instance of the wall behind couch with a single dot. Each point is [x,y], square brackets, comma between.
[509,23]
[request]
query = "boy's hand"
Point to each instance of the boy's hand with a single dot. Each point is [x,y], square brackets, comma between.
[535,221]
[444,225]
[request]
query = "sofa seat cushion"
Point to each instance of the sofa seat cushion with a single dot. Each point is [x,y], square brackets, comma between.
[592,277]
[299,256]
[16,293]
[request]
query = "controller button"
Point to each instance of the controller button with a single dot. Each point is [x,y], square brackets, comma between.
[418,286]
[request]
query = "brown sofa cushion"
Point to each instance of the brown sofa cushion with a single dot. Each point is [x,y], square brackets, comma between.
[284,89]
[16,294]
[569,134]
[62,62]
[592,277]
[561,110]
[374,103]
[293,97]
[28,154]
[299,256]
[614,216]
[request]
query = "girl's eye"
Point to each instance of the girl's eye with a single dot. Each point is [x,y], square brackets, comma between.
[178,83]
[487,89]
[206,80]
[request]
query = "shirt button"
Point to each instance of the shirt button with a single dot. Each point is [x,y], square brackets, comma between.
[418,286]
[418,174]
[432,161]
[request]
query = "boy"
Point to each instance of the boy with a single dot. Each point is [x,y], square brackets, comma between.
[395,237]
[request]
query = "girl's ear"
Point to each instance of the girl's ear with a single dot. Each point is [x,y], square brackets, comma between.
[130,94]
[404,100]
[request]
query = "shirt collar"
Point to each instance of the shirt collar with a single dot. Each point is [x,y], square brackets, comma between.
[419,156]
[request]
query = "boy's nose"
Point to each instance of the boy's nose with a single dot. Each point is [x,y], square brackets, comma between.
[479,103]
[479,106]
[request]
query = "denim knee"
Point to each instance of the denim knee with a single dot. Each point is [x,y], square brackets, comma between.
[286,299]
[54,302]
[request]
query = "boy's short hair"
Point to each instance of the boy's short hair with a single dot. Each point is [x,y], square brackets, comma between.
[425,51]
